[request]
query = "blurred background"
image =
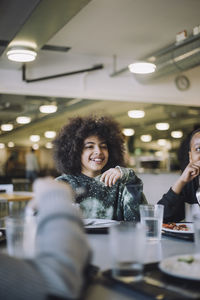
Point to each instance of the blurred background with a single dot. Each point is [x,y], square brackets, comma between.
[83,51]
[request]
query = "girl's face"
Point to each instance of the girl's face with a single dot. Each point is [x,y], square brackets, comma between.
[94,156]
[194,153]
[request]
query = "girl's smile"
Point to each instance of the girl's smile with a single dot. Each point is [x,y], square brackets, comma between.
[94,156]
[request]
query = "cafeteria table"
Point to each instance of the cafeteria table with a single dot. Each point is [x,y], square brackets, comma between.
[103,287]
[168,246]
[16,202]
[16,196]
[155,252]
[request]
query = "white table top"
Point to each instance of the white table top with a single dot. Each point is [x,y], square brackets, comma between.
[155,252]
[99,243]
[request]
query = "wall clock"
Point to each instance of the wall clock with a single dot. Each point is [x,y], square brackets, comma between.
[182,82]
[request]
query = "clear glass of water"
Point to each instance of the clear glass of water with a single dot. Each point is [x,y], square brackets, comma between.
[151,216]
[20,236]
[127,246]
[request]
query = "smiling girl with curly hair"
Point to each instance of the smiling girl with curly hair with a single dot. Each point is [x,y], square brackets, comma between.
[89,152]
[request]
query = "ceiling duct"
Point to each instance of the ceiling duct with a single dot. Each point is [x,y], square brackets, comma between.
[173,59]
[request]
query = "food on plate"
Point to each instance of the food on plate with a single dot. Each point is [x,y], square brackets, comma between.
[175,226]
[185,266]
[187,260]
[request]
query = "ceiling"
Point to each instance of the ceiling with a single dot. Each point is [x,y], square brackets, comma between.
[124,30]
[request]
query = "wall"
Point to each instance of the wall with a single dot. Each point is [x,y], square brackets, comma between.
[155,185]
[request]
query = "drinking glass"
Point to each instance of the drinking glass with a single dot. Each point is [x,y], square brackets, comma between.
[152,217]
[127,246]
[20,236]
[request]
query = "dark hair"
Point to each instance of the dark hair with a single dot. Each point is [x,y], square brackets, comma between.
[68,145]
[192,134]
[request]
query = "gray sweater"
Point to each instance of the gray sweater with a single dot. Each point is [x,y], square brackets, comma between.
[61,254]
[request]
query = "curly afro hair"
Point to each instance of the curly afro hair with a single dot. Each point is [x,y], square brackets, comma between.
[68,145]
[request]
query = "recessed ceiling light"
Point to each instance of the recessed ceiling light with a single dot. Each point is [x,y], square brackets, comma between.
[21,54]
[177,134]
[35,146]
[142,68]
[34,138]
[11,144]
[7,127]
[162,126]
[146,138]
[128,131]
[48,109]
[49,145]
[136,114]
[162,142]
[23,120]
[50,134]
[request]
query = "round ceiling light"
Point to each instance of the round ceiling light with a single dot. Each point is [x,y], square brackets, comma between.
[21,54]
[162,126]
[142,68]
[162,142]
[35,146]
[23,120]
[177,134]
[7,127]
[128,131]
[35,138]
[50,134]
[146,138]
[48,109]
[136,114]
[11,144]
[49,145]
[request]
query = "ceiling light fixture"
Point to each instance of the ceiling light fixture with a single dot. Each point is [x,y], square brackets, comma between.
[21,54]
[49,145]
[23,120]
[34,138]
[7,127]
[146,138]
[136,114]
[142,68]
[35,146]
[50,134]
[162,142]
[177,134]
[162,126]
[128,131]
[48,109]
[11,145]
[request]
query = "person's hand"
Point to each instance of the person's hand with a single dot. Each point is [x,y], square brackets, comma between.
[191,171]
[110,176]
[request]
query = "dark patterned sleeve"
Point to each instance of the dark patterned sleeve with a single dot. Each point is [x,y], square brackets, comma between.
[131,195]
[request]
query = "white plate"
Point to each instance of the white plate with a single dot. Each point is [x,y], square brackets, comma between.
[189,225]
[98,223]
[172,266]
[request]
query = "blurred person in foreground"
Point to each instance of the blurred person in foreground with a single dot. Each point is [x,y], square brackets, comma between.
[89,152]
[57,269]
[184,189]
